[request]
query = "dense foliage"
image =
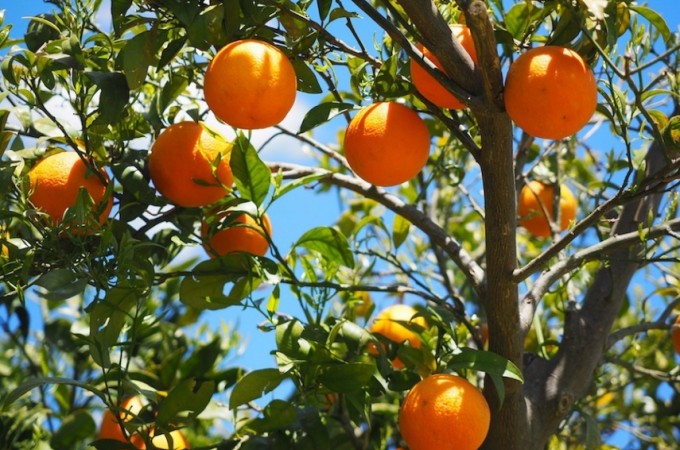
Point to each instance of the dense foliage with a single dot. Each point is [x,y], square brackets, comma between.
[578,347]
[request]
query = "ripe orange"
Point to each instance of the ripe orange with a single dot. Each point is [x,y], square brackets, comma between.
[111,426]
[443,412]
[56,181]
[675,335]
[242,234]
[129,409]
[387,143]
[387,324]
[550,92]
[184,166]
[427,85]
[174,440]
[4,251]
[537,197]
[250,84]
[364,303]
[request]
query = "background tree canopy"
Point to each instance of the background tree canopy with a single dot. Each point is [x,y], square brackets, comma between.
[568,335]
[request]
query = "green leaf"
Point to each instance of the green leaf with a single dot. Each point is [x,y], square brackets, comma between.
[75,428]
[671,137]
[655,19]
[189,395]
[322,113]
[341,13]
[114,94]
[324,7]
[355,334]
[138,55]
[118,10]
[251,174]
[202,360]
[205,287]
[306,78]
[329,244]
[32,383]
[278,414]
[60,284]
[254,385]
[346,378]
[206,28]
[107,318]
[518,18]
[400,230]
[485,361]
[286,188]
[494,365]
[593,435]
[289,340]
[40,31]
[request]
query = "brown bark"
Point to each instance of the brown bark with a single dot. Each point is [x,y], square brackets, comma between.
[554,386]
[508,423]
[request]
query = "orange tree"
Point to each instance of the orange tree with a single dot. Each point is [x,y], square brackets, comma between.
[579,351]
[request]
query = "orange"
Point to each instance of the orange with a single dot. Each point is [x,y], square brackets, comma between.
[675,335]
[4,250]
[129,409]
[242,234]
[387,324]
[174,440]
[535,199]
[550,92]
[56,181]
[189,165]
[427,85]
[250,84]
[363,304]
[387,143]
[111,427]
[444,412]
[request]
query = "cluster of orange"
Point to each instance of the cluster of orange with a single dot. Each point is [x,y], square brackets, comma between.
[550,92]
[249,84]
[451,409]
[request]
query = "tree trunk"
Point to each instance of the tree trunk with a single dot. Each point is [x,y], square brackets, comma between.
[554,386]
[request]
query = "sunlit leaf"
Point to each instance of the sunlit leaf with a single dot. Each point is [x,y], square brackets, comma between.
[188,396]
[254,385]
[251,174]
[322,113]
[329,244]
[346,378]
[219,283]
[655,19]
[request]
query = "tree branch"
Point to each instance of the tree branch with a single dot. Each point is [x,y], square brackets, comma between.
[557,384]
[472,271]
[594,252]
[438,38]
